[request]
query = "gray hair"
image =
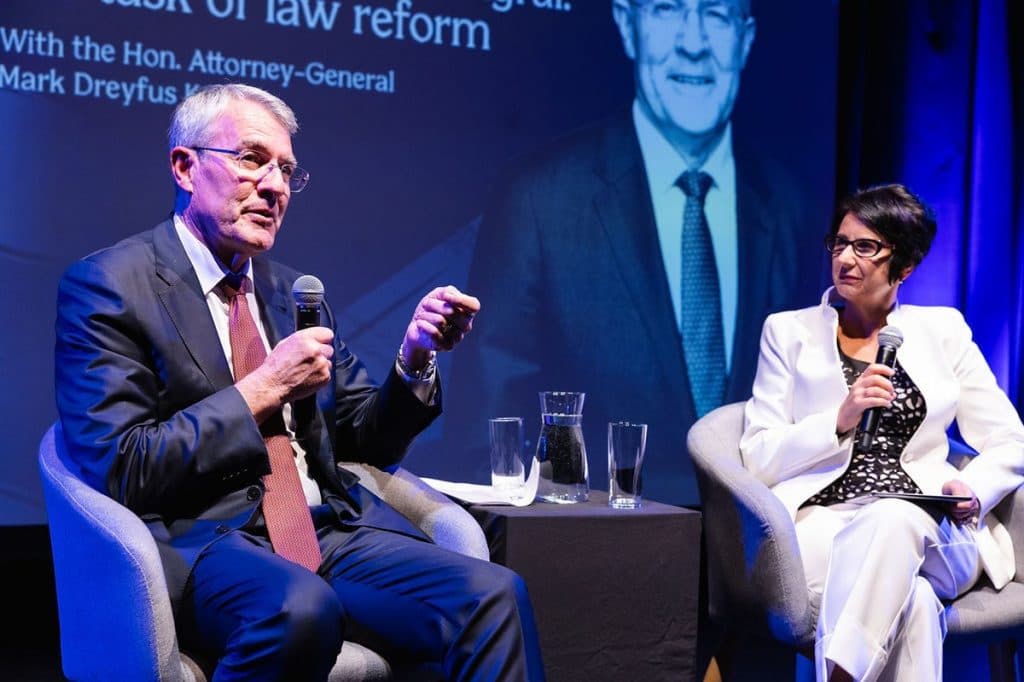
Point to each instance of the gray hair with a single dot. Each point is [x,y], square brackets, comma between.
[193,117]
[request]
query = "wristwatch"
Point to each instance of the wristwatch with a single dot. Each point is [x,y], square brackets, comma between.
[423,375]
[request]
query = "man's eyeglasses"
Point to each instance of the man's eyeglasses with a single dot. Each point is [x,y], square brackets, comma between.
[862,248]
[256,165]
[714,17]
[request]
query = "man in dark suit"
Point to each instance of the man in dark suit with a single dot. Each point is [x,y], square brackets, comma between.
[586,255]
[179,376]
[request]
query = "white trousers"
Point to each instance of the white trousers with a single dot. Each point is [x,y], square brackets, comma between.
[876,573]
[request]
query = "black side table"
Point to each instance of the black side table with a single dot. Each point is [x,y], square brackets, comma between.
[615,591]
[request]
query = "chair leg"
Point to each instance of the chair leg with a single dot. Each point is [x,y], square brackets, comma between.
[1002,661]
[743,657]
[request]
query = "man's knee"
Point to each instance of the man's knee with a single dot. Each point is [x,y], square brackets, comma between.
[311,620]
[291,628]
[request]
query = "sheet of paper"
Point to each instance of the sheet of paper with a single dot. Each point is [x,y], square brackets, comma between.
[475,493]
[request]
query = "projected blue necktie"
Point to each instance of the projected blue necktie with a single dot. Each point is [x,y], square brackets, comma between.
[700,319]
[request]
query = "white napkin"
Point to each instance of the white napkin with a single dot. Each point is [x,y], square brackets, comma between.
[474,493]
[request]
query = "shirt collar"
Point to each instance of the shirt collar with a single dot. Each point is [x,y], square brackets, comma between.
[664,164]
[208,270]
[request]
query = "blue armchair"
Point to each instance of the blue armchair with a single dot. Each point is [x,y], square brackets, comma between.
[757,592]
[112,601]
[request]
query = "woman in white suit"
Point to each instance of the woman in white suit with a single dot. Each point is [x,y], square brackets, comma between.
[878,568]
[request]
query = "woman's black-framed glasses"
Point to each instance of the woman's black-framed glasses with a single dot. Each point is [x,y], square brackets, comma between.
[256,165]
[862,248]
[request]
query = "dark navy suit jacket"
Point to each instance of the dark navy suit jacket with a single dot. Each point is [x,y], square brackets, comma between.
[151,416]
[568,267]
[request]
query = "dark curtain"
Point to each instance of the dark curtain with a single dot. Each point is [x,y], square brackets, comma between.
[930,95]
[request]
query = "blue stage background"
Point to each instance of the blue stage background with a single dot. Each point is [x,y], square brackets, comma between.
[399,178]
[932,93]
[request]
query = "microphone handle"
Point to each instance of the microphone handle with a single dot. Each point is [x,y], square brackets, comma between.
[306,316]
[886,356]
[869,420]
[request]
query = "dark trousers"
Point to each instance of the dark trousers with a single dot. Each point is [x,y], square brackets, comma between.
[264,618]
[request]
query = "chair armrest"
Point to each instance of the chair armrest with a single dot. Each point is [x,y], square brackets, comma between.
[1011,512]
[1010,509]
[445,522]
[755,577]
[115,613]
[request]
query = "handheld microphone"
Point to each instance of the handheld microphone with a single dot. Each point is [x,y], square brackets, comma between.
[889,339]
[308,292]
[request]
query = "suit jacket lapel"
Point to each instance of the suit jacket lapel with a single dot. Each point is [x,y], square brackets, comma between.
[624,210]
[179,292]
[273,295]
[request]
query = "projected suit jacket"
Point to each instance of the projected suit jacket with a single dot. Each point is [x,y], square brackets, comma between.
[151,416]
[569,272]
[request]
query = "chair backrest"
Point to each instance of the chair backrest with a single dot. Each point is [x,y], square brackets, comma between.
[754,572]
[115,614]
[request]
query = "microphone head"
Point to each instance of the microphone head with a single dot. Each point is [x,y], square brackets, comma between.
[890,336]
[308,291]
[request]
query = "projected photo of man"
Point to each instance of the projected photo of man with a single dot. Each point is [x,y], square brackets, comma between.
[637,259]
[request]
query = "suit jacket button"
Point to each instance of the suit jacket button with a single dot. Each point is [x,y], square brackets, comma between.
[221,529]
[253,493]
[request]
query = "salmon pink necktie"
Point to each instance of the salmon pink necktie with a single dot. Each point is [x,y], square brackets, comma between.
[285,509]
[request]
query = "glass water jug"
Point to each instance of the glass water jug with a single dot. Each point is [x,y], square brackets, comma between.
[561,453]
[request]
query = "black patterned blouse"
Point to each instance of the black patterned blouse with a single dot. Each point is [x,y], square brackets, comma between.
[879,468]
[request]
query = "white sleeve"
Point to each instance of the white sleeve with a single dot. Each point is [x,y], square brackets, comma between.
[774,447]
[988,422]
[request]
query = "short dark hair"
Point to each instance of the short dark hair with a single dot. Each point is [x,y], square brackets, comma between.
[899,216]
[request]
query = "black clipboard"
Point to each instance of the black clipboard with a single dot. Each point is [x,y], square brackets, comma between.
[922,497]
